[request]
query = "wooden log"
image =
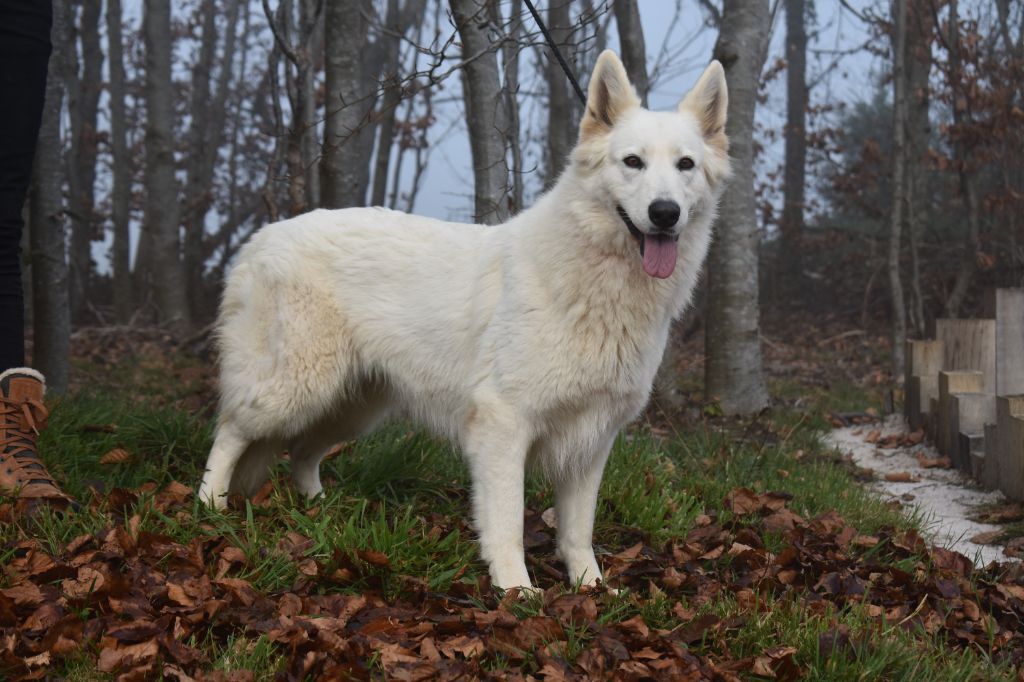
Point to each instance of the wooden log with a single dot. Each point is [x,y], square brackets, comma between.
[931,419]
[973,444]
[1007,307]
[971,411]
[989,477]
[948,418]
[1010,444]
[969,345]
[924,362]
[922,391]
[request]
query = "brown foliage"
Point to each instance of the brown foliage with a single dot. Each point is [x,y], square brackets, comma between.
[133,600]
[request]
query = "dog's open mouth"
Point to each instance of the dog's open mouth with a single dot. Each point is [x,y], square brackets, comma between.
[658,251]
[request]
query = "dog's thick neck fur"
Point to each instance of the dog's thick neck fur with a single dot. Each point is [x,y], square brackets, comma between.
[582,231]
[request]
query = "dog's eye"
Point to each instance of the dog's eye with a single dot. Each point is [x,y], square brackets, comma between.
[633,161]
[685,164]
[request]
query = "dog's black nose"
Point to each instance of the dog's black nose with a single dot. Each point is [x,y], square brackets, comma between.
[663,213]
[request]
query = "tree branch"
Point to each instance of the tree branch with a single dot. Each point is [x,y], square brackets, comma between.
[286,48]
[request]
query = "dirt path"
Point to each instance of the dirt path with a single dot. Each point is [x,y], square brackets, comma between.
[944,497]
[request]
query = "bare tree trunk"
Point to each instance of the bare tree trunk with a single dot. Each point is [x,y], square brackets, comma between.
[162,214]
[198,190]
[899,123]
[561,120]
[51,314]
[967,175]
[632,46]
[299,89]
[792,224]
[918,64]
[510,58]
[274,163]
[342,176]
[205,137]
[486,113]
[310,15]
[83,109]
[389,107]
[733,365]
[121,192]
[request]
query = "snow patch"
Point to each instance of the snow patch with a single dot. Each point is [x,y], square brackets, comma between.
[944,497]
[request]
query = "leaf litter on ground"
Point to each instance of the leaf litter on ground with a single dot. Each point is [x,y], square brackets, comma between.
[138,603]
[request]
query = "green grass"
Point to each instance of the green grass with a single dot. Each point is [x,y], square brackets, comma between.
[239,653]
[404,494]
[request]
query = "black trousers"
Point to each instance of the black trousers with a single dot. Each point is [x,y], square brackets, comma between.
[24,55]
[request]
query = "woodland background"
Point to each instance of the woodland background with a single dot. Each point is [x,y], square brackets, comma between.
[740,547]
[180,130]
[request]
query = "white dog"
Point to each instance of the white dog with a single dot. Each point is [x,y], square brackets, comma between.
[533,342]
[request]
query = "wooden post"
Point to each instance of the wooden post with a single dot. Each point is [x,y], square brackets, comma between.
[948,422]
[972,411]
[989,476]
[924,362]
[970,345]
[1007,306]
[972,446]
[1010,442]
[931,419]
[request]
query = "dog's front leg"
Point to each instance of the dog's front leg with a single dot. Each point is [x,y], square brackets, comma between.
[575,506]
[496,451]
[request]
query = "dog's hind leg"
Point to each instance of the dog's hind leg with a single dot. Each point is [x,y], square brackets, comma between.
[352,420]
[254,467]
[306,454]
[228,447]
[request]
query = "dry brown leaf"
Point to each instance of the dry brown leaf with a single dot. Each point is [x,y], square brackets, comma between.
[88,581]
[464,645]
[990,537]
[783,520]
[742,501]
[374,557]
[116,456]
[130,656]
[637,626]
[933,463]
[900,477]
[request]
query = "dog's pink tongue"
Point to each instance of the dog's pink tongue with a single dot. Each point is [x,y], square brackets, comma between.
[659,255]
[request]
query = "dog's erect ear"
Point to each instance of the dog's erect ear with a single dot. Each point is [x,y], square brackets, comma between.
[709,100]
[609,95]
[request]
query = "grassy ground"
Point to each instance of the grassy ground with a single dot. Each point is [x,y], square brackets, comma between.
[397,501]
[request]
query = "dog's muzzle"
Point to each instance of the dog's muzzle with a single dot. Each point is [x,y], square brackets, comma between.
[638,234]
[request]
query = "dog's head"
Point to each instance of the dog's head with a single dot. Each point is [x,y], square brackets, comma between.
[659,171]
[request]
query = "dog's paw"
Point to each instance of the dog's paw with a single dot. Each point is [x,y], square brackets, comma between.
[213,499]
[522,593]
[581,565]
[510,574]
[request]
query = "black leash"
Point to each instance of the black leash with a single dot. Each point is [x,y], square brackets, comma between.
[558,53]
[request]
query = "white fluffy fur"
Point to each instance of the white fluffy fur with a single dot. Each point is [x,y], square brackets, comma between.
[531,342]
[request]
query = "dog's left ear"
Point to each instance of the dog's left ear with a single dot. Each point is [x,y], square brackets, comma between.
[709,100]
[609,95]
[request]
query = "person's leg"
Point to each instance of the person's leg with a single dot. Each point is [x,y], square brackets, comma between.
[24,58]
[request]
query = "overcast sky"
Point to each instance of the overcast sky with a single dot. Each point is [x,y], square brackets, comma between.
[447,188]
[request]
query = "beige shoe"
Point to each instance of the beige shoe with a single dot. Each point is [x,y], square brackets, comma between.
[22,415]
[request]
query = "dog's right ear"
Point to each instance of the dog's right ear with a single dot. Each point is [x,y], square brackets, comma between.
[609,95]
